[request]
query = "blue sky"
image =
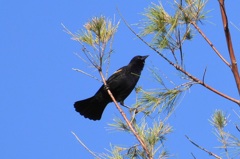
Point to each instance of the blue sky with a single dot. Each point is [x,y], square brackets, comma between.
[39,87]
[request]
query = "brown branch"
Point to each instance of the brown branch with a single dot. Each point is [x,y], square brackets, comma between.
[125,117]
[211,44]
[195,79]
[234,66]
[202,148]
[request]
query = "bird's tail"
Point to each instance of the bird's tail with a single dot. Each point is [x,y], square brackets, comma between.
[90,108]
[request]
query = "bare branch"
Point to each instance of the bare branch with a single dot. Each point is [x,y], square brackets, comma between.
[85,146]
[210,44]
[234,66]
[78,70]
[202,148]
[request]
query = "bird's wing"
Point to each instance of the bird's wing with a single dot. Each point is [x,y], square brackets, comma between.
[116,75]
[113,82]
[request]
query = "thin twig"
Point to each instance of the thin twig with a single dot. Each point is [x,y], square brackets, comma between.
[202,148]
[237,128]
[180,47]
[210,44]
[78,70]
[85,146]
[235,26]
[193,156]
[125,118]
[195,79]
[80,57]
[223,141]
[86,52]
[234,66]
[108,62]
[203,79]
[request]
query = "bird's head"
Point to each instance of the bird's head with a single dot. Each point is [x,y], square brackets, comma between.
[137,63]
[139,59]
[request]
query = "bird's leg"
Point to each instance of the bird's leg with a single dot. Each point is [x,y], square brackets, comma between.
[131,109]
[122,103]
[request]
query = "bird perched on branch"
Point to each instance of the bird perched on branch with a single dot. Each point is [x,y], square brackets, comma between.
[121,84]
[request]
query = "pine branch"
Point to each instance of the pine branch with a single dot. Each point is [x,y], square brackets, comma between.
[205,37]
[233,64]
[195,79]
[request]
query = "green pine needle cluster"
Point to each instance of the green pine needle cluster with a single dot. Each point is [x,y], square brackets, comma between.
[170,31]
[229,142]
[96,40]
[98,30]
[153,136]
[162,100]
[219,120]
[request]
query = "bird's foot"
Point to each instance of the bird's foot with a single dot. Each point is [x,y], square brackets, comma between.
[106,87]
[134,110]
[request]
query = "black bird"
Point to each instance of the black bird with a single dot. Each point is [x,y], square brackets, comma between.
[121,84]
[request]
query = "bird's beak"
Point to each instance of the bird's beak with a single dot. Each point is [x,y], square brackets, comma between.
[144,57]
